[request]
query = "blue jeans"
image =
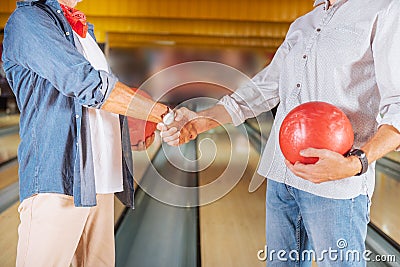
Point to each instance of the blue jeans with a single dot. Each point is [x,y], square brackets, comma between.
[301,225]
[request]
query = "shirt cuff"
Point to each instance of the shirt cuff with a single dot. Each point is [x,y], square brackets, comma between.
[233,109]
[108,82]
[392,121]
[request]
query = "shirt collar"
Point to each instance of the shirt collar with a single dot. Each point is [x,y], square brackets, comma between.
[318,2]
[53,3]
[47,1]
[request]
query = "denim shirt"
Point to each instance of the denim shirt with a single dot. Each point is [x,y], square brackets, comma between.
[53,82]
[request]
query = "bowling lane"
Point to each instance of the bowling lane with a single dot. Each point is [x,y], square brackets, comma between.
[232,229]
[9,221]
[156,233]
[385,204]
[8,174]
[8,121]
[9,141]
[9,138]
[141,161]
[8,145]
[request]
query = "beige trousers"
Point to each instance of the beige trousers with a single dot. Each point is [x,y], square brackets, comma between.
[53,232]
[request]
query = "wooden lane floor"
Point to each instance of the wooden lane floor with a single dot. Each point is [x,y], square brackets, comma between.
[232,229]
[9,221]
[385,205]
[141,161]
[8,174]
[9,138]
[9,146]
[9,120]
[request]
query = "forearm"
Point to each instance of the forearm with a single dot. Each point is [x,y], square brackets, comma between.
[386,139]
[125,101]
[212,117]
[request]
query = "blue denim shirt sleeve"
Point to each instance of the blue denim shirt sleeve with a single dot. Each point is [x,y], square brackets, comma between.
[46,51]
[52,82]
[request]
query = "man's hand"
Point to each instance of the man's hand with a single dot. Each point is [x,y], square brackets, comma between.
[143,145]
[330,166]
[182,130]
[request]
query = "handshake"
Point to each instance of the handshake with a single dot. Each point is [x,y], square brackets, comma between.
[179,129]
[186,126]
[183,127]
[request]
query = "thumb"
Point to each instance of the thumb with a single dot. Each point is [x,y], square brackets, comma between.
[178,115]
[312,152]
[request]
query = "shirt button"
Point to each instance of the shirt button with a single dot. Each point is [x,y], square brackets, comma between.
[58,11]
[67,33]
[298,85]
[77,144]
[304,56]
[77,116]
[318,29]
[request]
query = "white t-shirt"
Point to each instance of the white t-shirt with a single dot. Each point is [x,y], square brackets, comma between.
[104,130]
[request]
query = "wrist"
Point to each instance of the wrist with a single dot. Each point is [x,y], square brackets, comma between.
[203,124]
[362,158]
[158,112]
[356,166]
[207,120]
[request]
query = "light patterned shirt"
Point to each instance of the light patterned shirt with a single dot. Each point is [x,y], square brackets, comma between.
[347,55]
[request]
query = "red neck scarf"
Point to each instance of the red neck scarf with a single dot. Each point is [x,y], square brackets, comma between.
[76,19]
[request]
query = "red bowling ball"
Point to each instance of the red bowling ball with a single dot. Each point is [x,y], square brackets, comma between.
[315,125]
[139,130]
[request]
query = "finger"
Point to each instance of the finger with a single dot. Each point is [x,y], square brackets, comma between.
[192,134]
[313,152]
[142,146]
[187,134]
[297,168]
[172,137]
[288,163]
[161,127]
[290,167]
[138,147]
[150,140]
[173,143]
[178,115]
[187,138]
[183,141]
[300,167]
[169,132]
[316,181]
[134,147]
[183,135]
[307,172]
